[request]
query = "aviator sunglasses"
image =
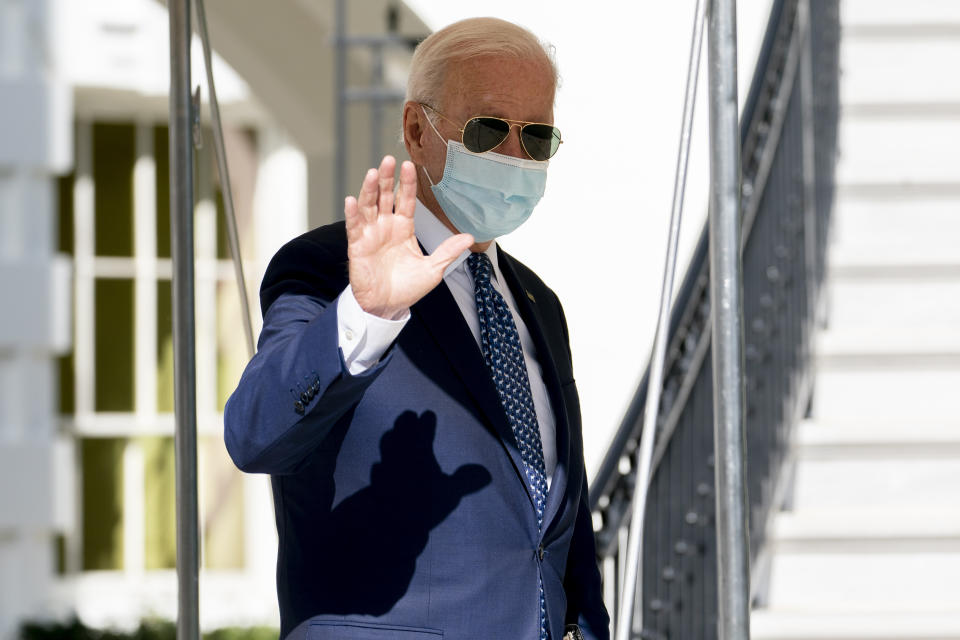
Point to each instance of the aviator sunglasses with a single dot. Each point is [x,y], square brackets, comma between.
[486,133]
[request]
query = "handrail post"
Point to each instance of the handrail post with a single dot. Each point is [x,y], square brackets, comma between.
[726,308]
[184,351]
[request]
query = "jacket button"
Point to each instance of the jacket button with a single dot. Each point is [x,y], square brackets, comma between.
[540,552]
[298,406]
[304,397]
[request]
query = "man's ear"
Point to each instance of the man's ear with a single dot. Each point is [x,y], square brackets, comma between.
[414,128]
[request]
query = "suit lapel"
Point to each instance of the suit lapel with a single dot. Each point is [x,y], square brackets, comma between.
[435,311]
[532,317]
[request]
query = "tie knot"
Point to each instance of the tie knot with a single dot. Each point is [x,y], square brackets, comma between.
[480,267]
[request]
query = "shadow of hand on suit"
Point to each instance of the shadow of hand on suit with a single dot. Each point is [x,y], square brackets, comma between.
[376,535]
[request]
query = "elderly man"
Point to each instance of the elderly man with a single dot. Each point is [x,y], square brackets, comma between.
[413,396]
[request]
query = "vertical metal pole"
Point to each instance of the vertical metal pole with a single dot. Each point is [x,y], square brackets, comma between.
[376,107]
[726,308]
[184,359]
[340,64]
[630,615]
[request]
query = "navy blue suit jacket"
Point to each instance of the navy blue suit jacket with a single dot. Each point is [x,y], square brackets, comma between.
[401,504]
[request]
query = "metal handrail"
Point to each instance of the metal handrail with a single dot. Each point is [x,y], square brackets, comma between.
[787,209]
[693,284]
[631,589]
[224,171]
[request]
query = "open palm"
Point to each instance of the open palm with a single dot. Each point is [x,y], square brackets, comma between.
[388,271]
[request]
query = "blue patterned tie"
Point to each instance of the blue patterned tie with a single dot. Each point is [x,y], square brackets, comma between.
[503,354]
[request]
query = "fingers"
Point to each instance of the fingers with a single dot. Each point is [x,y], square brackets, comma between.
[450,249]
[407,194]
[367,200]
[351,213]
[376,192]
[387,166]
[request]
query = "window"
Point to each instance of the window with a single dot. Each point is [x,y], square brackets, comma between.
[117,384]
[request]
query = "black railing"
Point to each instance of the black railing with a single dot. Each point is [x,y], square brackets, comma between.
[788,142]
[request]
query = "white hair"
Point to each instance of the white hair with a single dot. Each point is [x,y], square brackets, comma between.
[470,38]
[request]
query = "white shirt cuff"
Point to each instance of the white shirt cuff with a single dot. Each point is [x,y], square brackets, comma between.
[364,337]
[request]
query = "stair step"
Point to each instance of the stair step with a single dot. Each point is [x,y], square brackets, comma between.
[912,262]
[895,303]
[894,482]
[920,394]
[774,624]
[899,149]
[897,231]
[899,63]
[900,110]
[885,12]
[877,347]
[907,30]
[899,191]
[865,582]
[866,530]
[832,440]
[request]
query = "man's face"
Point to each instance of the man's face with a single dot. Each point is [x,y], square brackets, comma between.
[492,86]
[497,86]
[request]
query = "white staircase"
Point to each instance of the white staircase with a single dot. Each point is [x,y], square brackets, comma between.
[869,547]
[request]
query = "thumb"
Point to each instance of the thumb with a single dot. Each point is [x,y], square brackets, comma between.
[470,478]
[450,249]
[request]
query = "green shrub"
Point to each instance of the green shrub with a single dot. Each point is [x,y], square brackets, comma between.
[148,630]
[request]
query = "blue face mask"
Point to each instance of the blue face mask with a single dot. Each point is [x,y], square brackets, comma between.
[487,194]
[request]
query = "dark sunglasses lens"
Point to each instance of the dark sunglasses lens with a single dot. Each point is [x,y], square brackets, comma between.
[483,134]
[540,140]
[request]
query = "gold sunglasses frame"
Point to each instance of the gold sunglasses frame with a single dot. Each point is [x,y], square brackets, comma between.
[510,123]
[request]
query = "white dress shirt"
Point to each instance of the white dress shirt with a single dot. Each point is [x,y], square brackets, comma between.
[364,337]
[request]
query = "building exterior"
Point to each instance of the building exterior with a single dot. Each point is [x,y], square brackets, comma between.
[86,358]
[35,146]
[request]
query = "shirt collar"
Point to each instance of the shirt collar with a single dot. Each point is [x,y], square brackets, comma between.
[431,233]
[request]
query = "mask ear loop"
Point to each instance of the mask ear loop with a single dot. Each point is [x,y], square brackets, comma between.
[433,126]
[445,143]
[429,179]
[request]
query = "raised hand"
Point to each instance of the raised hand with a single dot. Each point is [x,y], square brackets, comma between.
[388,271]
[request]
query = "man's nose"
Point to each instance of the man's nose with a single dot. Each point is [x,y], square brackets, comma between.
[512,145]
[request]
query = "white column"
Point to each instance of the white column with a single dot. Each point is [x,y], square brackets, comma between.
[83,321]
[280,200]
[36,146]
[206,310]
[145,287]
[260,532]
[205,247]
[83,251]
[134,512]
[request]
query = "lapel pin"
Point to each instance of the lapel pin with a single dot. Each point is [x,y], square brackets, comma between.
[530,295]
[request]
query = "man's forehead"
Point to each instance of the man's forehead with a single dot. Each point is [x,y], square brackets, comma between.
[501,86]
[499,67]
